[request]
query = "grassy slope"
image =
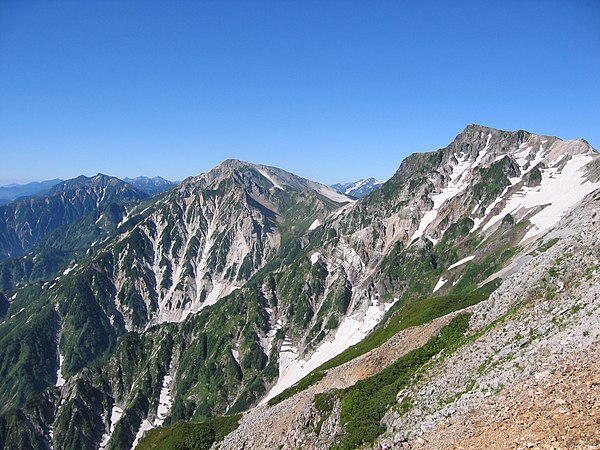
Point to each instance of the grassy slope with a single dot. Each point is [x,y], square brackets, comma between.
[417,313]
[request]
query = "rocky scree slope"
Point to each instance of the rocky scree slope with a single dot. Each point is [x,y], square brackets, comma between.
[446,223]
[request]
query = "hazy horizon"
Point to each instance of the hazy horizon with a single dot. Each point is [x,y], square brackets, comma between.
[331,91]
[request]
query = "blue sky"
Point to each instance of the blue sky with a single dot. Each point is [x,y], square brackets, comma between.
[330,90]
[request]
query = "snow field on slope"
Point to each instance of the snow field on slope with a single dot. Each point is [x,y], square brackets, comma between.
[164,406]
[115,416]
[455,186]
[60,381]
[559,190]
[314,225]
[462,261]
[352,330]
[314,258]
[442,281]
[265,174]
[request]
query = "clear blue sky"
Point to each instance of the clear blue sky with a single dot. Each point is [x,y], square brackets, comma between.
[330,90]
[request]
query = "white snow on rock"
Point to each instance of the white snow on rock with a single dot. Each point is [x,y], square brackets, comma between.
[442,281]
[236,355]
[314,225]
[455,186]
[462,261]
[70,269]
[484,151]
[18,312]
[115,416]
[165,401]
[314,257]
[352,330]
[145,426]
[265,174]
[559,191]
[60,381]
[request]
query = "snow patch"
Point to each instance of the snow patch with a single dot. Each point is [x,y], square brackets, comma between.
[455,186]
[60,381]
[115,416]
[442,281]
[70,269]
[145,426]
[484,151]
[462,261]
[552,193]
[314,258]
[236,355]
[18,312]
[265,174]
[314,225]
[165,401]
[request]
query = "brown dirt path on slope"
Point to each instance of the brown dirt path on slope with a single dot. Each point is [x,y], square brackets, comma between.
[552,410]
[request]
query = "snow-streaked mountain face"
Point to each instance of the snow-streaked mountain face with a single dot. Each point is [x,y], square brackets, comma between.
[209,237]
[268,275]
[358,189]
[469,207]
[26,222]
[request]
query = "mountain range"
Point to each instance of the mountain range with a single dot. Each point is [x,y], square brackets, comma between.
[11,192]
[254,307]
[358,189]
[151,186]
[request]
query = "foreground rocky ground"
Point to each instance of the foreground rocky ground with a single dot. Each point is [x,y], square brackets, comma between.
[558,408]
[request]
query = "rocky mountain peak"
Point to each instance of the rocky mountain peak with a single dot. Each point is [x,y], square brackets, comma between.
[95,183]
[253,177]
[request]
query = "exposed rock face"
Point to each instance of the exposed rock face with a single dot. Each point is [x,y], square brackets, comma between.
[171,259]
[283,419]
[488,191]
[207,238]
[540,317]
